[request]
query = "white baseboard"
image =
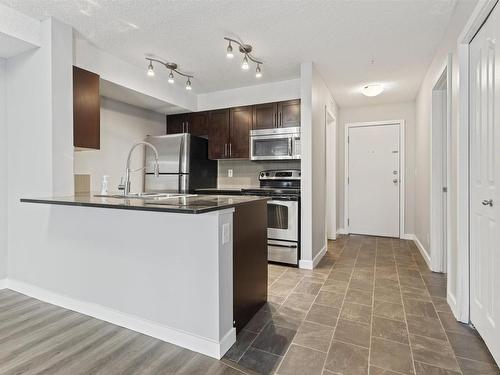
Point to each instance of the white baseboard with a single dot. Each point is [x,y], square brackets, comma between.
[3,284]
[408,236]
[311,264]
[341,231]
[423,251]
[174,336]
[452,302]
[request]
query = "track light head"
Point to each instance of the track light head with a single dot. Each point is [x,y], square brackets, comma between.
[258,72]
[171,77]
[244,65]
[151,71]
[188,84]
[229,51]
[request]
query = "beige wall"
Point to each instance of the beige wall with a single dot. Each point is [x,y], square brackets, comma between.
[423,137]
[3,175]
[397,111]
[122,125]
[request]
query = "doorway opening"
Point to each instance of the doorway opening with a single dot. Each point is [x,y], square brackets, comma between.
[440,172]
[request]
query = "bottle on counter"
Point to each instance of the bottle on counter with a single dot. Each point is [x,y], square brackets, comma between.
[104,185]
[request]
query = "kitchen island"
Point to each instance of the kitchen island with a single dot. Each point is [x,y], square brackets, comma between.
[189,269]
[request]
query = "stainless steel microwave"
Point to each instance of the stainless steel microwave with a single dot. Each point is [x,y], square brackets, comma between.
[275,144]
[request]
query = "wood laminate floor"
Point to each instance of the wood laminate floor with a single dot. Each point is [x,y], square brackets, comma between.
[371,306]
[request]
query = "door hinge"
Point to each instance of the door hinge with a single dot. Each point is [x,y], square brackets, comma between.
[348,180]
[445,189]
[348,222]
[348,139]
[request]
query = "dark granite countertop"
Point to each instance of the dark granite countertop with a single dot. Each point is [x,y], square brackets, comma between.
[187,204]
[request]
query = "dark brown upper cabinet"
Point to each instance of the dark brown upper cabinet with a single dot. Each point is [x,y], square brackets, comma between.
[265,116]
[86,109]
[284,114]
[198,123]
[289,113]
[218,134]
[240,125]
[177,123]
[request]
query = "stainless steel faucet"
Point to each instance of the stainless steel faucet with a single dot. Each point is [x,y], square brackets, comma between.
[128,171]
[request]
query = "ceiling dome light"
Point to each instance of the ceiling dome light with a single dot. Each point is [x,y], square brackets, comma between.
[171,77]
[244,65]
[188,84]
[372,89]
[258,72]
[229,51]
[151,71]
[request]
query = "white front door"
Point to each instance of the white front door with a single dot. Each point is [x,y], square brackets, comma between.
[484,177]
[374,180]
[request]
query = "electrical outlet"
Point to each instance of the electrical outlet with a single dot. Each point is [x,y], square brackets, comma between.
[229,173]
[226,233]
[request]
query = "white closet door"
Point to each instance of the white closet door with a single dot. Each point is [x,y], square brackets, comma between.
[374,180]
[484,178]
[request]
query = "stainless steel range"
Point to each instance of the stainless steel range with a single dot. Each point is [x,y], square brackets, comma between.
[283,213]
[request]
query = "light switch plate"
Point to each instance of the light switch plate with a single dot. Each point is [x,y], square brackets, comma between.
[226,233]
[229,173]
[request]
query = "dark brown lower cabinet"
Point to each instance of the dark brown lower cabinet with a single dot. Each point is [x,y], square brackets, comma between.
[249,261]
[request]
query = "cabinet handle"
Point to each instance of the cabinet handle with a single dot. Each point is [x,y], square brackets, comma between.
[275,120]
[225,149]
[281,121]
[187,127]
[230,150]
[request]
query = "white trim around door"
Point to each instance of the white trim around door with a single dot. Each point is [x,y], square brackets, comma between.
[402,169]
[460,302]
[331,174]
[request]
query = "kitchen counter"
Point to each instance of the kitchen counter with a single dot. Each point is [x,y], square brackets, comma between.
[223,191]
[189,270]
[188,204]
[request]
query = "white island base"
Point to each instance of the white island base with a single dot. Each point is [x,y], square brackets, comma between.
[164,274]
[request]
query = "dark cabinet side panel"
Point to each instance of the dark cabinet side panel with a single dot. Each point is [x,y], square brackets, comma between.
[86,109]
[218,134]
[240,125]
[249,261]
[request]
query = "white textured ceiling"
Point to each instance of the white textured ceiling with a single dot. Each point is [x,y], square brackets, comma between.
[340,37]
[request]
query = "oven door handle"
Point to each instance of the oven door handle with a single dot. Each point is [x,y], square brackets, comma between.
[286,246]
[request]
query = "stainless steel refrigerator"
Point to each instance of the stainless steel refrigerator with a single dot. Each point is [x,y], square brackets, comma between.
[184,164]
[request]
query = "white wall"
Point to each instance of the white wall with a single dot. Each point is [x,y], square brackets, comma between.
[3,175]
[39,141]
[264,93]
[396,111]
[316,97]
[423,138]
[122,125]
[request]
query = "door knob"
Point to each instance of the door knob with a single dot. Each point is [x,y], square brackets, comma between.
[487,202]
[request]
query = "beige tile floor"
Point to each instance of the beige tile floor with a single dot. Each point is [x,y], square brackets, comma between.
[372,306]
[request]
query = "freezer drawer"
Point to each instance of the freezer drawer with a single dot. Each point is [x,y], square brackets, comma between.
[283,252]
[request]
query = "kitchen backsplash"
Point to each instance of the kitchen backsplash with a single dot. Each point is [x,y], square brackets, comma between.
[246,172]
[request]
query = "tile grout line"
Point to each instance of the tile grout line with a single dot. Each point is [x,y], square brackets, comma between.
[404,310]
[343,301]
[373,305]
[310,307]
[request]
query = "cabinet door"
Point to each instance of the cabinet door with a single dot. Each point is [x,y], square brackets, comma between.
[241,124]
[218,134]
[177,123]
[265,116]
[289,113]
[86,109]
[198,123]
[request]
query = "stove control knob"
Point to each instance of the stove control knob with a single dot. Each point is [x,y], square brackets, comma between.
[262,174]
[267,174]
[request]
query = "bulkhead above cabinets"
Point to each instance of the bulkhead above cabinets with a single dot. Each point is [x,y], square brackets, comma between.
[228,129]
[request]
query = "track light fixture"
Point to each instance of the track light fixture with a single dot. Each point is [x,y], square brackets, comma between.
[246,50]
[170,66]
